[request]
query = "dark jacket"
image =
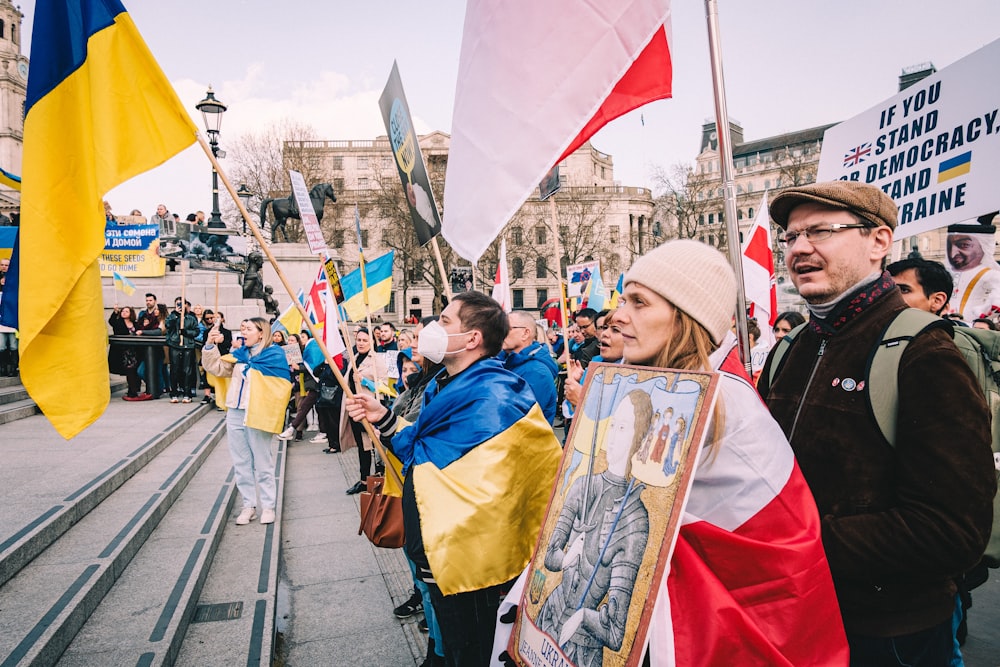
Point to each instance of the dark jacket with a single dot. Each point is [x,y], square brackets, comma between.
[589,348]
[190,332]
[539,370]
[898,523]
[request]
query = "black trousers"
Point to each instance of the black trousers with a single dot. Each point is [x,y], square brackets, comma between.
[928,648]
[182,374]
[467,621]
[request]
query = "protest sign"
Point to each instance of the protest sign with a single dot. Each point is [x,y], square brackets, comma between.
[206,249]
[131,250]
[613,517]
[314,235]
[934,148]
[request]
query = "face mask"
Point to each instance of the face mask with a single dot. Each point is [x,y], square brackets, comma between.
[433,343]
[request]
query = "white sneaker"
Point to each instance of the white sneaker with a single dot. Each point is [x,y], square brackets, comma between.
[267,515]
[249,514]
[319,439]
[287,434]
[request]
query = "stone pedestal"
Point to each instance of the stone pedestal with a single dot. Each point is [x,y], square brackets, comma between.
[299,266]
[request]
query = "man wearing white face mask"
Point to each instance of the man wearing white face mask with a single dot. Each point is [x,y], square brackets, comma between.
[479,426]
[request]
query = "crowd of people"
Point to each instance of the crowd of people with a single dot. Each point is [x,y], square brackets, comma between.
[824,542]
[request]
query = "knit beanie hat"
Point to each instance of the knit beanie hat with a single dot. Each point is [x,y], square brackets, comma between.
[694,277]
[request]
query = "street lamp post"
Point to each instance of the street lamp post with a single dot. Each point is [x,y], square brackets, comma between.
[244,194]
[211,110]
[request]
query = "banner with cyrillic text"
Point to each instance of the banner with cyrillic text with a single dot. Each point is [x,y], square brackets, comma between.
[131,250]
[934,148]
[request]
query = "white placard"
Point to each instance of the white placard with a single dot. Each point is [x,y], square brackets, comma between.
[934,148]
[314,235]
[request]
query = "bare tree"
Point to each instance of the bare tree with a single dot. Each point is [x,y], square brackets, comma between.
[798,165]
[262,159]
[683,199]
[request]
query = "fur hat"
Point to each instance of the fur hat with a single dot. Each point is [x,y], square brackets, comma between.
[866,201]
[694,277]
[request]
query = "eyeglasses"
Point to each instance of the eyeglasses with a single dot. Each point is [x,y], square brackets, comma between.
[817,234]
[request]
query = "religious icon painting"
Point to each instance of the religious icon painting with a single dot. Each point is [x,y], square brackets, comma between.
[613,517]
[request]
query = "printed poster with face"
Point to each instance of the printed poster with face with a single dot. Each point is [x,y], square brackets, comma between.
[613,517]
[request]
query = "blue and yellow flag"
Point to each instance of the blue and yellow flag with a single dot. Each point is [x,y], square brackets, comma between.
[483,458]
[123,284]
[12,181]
[378,274]
[99,110]
[270,387]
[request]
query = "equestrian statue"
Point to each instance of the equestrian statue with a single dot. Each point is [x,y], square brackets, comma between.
[287,208]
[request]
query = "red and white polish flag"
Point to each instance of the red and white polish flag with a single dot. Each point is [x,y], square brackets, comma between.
[535,81]
[758,271]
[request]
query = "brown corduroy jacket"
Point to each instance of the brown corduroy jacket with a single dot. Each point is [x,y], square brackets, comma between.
[898,522]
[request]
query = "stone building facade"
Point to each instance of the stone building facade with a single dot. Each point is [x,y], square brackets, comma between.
[598,218]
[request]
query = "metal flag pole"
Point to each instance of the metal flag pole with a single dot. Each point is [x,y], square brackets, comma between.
[728,185]
[559,278]
[255,230]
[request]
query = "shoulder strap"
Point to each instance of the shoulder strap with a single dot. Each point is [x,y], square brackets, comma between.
[781,349]
[882,376]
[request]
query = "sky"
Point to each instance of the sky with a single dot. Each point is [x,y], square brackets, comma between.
[788,65]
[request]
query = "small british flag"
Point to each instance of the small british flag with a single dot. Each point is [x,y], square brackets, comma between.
[857,155]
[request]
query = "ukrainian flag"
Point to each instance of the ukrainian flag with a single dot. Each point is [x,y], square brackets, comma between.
[98,111]
[12,181]
[123,284]
[483,459]
[955,167]
[270,386]
[378,275]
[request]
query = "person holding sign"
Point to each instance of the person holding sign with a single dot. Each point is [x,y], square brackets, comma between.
[748,579]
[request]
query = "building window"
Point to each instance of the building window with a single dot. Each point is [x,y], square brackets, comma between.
[337,238]
[518,296]
[516,237]
[613,235]
[386,162]
[541,295]
[711,218]
[517,268]
[363,183]
[391,308]
[540,236]
[603,173]
[701,219]
[749,187]
[750,213]
[739,214]
[337,163]
[541,270]
[338,185]
[364,238]
[767,184]
[362,162]
[563,234]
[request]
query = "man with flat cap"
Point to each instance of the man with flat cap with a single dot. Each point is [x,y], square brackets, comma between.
[900,520]
[977,275]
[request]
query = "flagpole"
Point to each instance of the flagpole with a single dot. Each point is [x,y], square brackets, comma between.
[728,184]
[255,230]
[364,296]
[216,293]
[559,279]
[440,264]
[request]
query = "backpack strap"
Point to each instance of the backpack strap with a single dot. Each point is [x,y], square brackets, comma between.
[781,349]
[882,374]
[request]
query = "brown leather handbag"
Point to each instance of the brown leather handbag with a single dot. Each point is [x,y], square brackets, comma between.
[381,516]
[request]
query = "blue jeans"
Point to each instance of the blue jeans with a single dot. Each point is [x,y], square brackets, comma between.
[433,629]
[252,460]
[8,341]
[932,647]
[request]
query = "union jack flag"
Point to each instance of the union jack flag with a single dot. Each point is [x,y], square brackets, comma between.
[857,155]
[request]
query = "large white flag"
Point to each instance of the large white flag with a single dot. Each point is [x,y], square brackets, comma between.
[501,286]
[758,271]
[535,81]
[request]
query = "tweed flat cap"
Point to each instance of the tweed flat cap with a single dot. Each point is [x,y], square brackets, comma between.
[866,201]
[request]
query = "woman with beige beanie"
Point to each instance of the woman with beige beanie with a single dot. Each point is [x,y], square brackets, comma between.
[749,582]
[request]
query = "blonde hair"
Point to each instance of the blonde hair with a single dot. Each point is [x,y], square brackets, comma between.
[264,327]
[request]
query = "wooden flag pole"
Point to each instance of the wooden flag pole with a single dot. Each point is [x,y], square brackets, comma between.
[255,230]
[728,184]
[364,297]
[440,264]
